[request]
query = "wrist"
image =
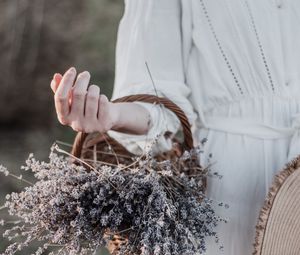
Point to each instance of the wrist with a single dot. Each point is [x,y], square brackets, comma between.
[116,117]
[129,118]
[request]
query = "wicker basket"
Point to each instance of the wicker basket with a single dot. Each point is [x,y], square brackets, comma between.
[100,147]
[278,227]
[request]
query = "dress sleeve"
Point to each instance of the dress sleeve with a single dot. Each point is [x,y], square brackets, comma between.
[150,31]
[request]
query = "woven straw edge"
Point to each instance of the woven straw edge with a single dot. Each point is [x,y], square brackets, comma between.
[278,181]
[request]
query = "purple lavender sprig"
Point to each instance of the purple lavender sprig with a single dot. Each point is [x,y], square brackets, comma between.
[155,207]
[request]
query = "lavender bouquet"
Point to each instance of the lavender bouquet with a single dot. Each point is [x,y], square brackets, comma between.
[154,206]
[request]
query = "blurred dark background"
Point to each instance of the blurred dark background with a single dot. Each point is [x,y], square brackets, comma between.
[39,38]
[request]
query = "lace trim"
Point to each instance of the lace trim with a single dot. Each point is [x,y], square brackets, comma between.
[220,47]
[260,46]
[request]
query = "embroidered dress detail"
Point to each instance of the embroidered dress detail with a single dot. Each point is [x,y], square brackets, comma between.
[260,45]
[220,47]
[210,57]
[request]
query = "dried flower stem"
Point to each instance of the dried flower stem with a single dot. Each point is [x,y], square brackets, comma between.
[83,162]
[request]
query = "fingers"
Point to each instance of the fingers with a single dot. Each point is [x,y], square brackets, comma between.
[62,94]
[55,81]
[53,85]
[92,103]
[103,103]
[57,78]
[79,105]
[103,114]
[79,94]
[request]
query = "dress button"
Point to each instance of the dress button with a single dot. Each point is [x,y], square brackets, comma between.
[287,83]
[279,6]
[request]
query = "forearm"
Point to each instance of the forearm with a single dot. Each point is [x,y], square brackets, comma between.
[131,118]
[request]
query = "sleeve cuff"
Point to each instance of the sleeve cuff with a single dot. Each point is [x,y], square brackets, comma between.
[162,120]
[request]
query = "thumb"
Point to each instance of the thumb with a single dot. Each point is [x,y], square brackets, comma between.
[55,81]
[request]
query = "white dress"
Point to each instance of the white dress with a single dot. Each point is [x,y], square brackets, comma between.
[233,66]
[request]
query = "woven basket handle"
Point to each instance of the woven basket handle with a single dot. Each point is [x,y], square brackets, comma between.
[147,98]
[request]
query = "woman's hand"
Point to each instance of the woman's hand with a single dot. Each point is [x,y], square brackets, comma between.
[81,106]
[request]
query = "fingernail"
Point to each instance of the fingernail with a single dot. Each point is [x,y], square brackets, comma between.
[72,69]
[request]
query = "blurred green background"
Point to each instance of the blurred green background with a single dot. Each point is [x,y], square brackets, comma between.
[39,38]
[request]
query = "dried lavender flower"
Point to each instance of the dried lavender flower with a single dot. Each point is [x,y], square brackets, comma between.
[156,208]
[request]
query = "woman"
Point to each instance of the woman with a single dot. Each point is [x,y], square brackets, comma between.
[233,67]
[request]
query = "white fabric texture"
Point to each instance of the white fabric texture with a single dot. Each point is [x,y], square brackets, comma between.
[233,67]
[144,36]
